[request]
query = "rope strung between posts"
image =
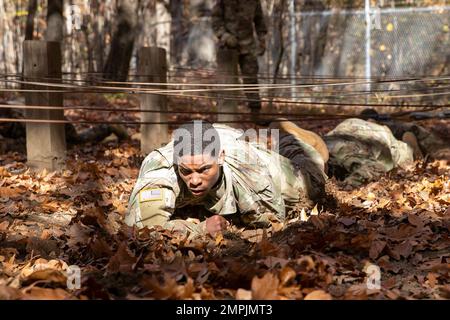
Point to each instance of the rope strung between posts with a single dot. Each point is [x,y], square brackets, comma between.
[402,115]
[285,101]
[180,92]
[134,110]
[288,77]
[53,121]
[228,85]
[243,98]
[277,100]
[341,93]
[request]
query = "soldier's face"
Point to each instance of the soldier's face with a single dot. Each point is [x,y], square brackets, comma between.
[199,172]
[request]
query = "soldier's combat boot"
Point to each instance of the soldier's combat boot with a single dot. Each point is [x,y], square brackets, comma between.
[307,136]
[120,131]
[255,110]
[410,139]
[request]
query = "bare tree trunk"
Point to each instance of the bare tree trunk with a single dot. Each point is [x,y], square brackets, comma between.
[278,43]
[314,30]
[293,44]
[86,31]
[121,49]
[178,30]
[17,33]
[4,39]
[152,31]
[199,49]
[29,29]
[55,21]
[98,45]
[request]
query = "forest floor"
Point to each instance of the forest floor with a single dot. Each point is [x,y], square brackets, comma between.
[74,217]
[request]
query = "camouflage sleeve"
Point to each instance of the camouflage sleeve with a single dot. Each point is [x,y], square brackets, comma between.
[151,206]
[260,24]
[366,171]
[218,23]
[153,202]
[186,228]
[156,215]
[257,219]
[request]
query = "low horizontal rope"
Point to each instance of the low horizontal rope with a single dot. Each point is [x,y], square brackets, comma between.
[52,121]
[221,86]
[260,75]
[314,95]
[134,110]
[294,117]
[180,93]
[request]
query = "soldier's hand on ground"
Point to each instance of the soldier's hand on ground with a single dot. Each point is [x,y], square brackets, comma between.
[216,224]
[229,40]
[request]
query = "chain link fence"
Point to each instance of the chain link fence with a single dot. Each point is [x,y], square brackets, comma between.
[304,45]
[339,44]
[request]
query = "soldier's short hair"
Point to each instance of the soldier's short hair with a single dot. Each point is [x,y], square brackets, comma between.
[196,137]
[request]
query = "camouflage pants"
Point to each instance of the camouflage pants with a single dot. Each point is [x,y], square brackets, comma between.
[248,63]
[355,162]
[95,134]
[307,163]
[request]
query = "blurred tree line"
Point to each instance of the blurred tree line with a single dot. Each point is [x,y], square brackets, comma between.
[102,37]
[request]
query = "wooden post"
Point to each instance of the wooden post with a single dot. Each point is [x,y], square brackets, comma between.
[46,142]
[153,68]
[227,63]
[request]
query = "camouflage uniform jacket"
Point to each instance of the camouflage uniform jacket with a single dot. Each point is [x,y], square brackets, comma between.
[240,19]
[365,150]
[256,182]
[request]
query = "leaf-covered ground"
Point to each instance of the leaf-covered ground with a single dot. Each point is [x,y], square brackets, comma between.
[51,220]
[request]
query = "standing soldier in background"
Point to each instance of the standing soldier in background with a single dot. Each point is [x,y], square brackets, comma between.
[235,22]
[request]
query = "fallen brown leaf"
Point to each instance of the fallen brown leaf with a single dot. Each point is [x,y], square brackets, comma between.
[123,260]
[318,295]
[265,288]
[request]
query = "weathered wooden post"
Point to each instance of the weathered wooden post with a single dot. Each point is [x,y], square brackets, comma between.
[227,67]
[153,68]
[46,142]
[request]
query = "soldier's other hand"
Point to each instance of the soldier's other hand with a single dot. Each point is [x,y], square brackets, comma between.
[216,224]
[229,40]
